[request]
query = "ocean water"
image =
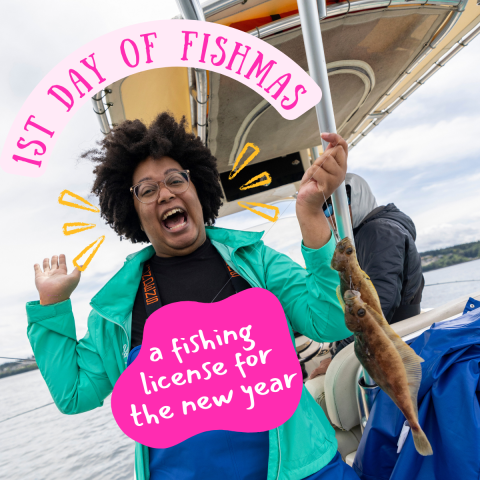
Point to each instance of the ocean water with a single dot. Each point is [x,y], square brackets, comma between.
[45,444]
[436,295]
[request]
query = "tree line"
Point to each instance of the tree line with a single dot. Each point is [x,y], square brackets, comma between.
[445,257]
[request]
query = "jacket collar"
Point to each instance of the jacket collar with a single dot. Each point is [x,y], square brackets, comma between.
[371,216]
[115,300]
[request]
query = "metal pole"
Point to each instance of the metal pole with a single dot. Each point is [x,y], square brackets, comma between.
[365,397]
[322,9]
[192,10]
[99,109]
[317,66]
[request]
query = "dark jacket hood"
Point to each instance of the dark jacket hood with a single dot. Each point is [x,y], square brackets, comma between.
[390,212]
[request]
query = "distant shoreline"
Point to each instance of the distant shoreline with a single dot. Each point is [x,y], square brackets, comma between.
[13,368]
[446,257]
[430,269]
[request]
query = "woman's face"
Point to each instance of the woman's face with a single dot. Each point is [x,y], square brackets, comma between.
[174,234]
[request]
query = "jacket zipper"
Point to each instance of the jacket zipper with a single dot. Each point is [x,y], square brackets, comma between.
[279,454]
[121,326]
[238,267]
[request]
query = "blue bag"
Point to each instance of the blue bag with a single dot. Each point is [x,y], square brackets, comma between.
[449,410]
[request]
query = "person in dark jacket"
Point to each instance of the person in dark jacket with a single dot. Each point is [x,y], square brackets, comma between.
[386,252]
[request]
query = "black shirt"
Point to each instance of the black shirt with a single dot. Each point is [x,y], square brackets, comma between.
[201,276]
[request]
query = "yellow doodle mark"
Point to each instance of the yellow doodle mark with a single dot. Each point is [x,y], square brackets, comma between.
[81,227]
[90,208]
[250,184]
[264,215]
[233,173]
[89,259]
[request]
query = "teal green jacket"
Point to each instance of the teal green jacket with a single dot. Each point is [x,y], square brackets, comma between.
[81,374]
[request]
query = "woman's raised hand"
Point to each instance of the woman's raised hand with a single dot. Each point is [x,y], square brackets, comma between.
[318,183]
[53,283]
[324,176]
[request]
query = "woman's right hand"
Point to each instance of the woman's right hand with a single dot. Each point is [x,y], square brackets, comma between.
[53,283]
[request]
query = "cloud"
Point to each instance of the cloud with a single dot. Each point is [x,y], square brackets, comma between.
[446,94]
[448,234]
[419,146]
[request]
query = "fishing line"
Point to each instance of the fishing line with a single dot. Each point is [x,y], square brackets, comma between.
[445,283]
[28,411]
[333,227]
[274,223]
[221,290]
[264,235]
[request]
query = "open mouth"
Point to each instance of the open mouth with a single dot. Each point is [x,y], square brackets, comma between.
[175,219]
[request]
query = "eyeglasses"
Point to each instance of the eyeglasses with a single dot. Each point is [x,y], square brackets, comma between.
[175,182]
[328,208]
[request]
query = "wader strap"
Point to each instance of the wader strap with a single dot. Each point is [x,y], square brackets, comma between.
[151,295]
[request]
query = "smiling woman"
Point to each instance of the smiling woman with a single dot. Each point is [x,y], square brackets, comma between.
[160,184]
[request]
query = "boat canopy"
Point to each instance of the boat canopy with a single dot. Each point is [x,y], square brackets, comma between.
[378,53]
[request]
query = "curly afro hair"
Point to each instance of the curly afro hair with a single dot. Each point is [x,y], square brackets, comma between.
[132,142]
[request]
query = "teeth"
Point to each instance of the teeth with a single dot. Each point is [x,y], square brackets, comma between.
[172,212]
[178,226]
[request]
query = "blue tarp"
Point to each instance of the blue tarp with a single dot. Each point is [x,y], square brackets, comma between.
[449,410]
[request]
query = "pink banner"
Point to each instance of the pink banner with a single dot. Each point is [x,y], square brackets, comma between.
[165,43]
[229,365]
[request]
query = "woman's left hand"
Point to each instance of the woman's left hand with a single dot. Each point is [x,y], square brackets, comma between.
[319,182]
[324,176]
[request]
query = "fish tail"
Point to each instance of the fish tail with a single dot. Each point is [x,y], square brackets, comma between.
[421,441]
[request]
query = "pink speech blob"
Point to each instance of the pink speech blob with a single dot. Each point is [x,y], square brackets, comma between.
[229,365]
[124,52]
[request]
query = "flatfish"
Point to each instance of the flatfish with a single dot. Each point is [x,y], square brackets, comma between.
[393,365]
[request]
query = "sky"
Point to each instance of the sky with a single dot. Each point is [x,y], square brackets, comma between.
[424,158]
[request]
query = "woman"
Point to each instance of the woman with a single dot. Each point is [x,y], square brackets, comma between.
[160,185]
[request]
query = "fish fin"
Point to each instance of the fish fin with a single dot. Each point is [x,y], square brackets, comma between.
[411,362]
[421,442]
[340,298]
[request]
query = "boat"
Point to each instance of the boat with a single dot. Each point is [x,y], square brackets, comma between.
[378,53]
